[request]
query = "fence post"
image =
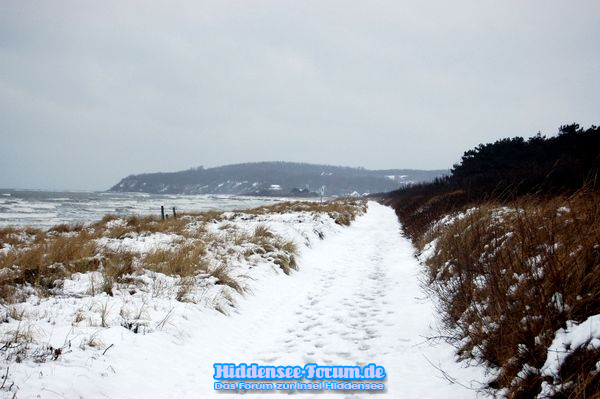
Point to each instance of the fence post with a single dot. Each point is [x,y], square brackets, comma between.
[174,214]
[162,212]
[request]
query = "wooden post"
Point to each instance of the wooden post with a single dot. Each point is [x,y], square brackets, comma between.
[162,212]
[174,214]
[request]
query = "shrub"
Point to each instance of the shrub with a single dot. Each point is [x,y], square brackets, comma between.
[507,277]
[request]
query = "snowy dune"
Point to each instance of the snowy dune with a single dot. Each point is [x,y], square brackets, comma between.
[355,300]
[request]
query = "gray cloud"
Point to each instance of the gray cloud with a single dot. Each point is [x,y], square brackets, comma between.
[93,91]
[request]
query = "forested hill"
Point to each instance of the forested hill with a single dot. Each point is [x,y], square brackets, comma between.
[276,179]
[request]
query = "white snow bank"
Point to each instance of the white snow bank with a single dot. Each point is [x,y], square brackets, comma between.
[140,243]
[586,334]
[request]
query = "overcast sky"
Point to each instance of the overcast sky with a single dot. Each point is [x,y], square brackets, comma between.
[92,91]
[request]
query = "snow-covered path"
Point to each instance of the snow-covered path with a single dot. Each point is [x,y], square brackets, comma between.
[356,300]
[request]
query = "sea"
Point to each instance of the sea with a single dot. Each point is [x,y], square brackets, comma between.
[44,209]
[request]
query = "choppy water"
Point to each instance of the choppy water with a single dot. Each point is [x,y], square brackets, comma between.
[45,208]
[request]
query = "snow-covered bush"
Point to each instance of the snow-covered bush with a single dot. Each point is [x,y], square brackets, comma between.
[510,279]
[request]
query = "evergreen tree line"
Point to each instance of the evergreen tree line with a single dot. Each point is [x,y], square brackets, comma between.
[515,166]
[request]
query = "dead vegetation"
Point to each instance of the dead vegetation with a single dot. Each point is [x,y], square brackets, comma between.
[511,243]
[508,276]
[41,260]
[343,211]
[184,261]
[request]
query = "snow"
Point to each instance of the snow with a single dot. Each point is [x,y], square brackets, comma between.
[5,248]
[453,218]
[355,300]
[140,243]
[396,177]
[429,251]
[586,334]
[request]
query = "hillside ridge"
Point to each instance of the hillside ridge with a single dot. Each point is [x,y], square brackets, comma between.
[275,179]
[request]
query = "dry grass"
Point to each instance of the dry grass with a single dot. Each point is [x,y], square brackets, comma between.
[185,260]
[15,237]
[66,228]
[115,265]
[17,344]
[134,224]
[184,288]
[91,341]
[288,246]
[420,206]
[104,311]
[262,231]
[211,216]
[343,211]
[269,245]
[508,277]
[43,259]
[286,262]
[16,312]
[41,264]
[223,275]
